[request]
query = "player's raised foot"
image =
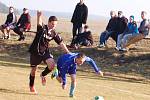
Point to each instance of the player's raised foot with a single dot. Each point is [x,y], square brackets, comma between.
[55,73]
[33,90]
[43,80]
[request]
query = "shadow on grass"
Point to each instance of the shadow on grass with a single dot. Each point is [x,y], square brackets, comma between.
[111,60]
[112,77]
[3,90]
[108,59]
[9,91]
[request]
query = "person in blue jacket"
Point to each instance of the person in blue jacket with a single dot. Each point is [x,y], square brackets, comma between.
[129,32]
[67,64]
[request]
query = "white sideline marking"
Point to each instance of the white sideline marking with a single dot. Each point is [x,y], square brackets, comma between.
[130,92]
[125,91]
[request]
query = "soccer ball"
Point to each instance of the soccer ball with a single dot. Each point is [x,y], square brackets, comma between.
[98,98]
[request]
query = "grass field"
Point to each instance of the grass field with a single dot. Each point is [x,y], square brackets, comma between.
[125,79]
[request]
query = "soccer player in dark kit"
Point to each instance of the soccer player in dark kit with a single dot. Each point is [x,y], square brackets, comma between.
[39,50]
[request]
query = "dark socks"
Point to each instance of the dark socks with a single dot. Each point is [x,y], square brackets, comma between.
[31,83]
[46,71]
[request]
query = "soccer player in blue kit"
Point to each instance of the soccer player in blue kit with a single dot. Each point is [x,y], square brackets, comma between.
[67,64]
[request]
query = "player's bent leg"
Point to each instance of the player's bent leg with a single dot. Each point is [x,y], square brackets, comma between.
[32,78]
[55,73]
[50,66]
[50,63]
[73,85]
[4,33]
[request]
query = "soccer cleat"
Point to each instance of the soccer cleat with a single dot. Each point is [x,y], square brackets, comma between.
[123,49]
[55,73]
[101,45]
[117,48]
[52,76]
[71,95]
[33,90]
[43,80]
[22,38]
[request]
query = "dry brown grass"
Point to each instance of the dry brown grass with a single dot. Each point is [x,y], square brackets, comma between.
[128,80]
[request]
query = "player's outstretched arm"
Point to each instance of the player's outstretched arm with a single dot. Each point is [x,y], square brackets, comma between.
[63,46]
[93,64]
[39,18]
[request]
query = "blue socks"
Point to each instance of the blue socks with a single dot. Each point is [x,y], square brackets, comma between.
[72,88]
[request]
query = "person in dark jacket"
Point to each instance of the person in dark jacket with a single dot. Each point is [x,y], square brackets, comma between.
[110,31]
[23,24]
[39,49]
[83,39]
[9,23]
[122,22]
[79,17]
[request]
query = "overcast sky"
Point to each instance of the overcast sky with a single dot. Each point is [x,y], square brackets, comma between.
[97,7]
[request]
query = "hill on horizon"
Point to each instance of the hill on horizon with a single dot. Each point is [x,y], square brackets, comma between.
[67,15]
[4,9]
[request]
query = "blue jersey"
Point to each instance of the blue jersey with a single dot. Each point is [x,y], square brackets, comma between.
[66,64]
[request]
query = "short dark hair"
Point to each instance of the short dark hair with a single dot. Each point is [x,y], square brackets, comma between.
[52,18]
[132,17]
[11,7]
[81,55]
[24,9]
[120,12]
[143,12]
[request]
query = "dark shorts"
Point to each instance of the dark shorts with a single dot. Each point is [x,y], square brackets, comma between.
[36,59]
[12,26]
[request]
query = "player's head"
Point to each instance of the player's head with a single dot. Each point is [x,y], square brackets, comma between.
[131,18]
[112,14]
[82,1]
[143,14]
[52,22]
[80,59]
[11,9]
[25,10]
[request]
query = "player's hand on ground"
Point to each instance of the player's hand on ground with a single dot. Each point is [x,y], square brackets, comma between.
[100,73]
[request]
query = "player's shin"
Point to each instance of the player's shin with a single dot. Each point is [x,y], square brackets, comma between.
[31,83]
[72,89]
[46,71]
